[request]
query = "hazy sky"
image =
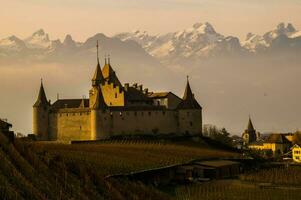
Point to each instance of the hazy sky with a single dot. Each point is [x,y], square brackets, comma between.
[83,18]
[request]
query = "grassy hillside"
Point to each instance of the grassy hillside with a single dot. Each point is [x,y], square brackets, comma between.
[41,170]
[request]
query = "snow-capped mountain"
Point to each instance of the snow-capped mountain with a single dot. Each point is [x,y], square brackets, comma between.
[38,40]
[12,43]
[201,40]
[198,42]
[286,35]
[255,43]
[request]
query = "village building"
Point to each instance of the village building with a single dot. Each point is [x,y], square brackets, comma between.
[277,143]
[249,135]
[296,153]
[5,129]
[115,109]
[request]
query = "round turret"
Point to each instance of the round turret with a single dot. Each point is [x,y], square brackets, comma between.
[40,116]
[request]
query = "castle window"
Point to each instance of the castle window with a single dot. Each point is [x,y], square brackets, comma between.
[115,95]
[110,103]
[149,113]
[190,123]
[80,127]
[67,114]
[135,113]
[163,112]
[80,114]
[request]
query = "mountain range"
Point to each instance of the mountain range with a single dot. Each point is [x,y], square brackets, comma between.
[201,41]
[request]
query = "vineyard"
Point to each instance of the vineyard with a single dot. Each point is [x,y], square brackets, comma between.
[279,176]
[231,190]
[114,158]
[44,170]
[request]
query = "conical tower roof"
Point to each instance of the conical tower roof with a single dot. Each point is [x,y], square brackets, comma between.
[42,99]
[189,102]
[109,73]
[99,100]
[98,77]
[250,125]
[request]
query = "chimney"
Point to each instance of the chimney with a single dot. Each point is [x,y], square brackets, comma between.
[145,91]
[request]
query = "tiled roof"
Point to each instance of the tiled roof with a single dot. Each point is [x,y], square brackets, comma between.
[277,138]
[133,94]
[158,94]
[69,103]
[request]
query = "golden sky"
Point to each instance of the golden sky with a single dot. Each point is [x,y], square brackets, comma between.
[84,18]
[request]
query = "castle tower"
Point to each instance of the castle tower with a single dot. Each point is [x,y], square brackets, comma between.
[98,116]
[190,113]
[97,104]
[40,115]
[249,135]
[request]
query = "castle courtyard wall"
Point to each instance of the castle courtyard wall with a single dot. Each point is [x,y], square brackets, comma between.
[143,122]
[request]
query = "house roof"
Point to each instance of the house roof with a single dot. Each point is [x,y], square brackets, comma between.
[277,138]
[158,94]
[217,163]
[70,103]
[4,124]
[133,94]
[297,138]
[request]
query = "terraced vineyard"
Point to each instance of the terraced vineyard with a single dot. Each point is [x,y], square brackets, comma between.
[42,170]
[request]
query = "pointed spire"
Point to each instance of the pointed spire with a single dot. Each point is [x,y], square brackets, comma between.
[98,77]
[189,102]
[188,93]
[250,125]
[105,59]
[97,51]
[99,100]
[42,99]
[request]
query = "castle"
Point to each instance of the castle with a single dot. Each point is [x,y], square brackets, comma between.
[114,109]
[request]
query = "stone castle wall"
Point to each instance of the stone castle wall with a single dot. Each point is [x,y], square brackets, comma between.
[75,124]
[70,124]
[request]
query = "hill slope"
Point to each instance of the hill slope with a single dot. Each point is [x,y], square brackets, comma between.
[52,171]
